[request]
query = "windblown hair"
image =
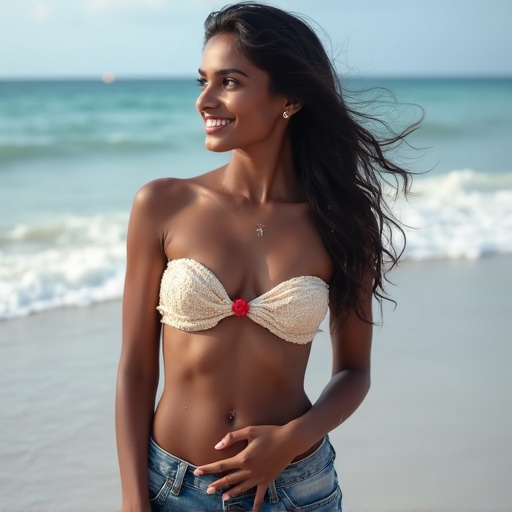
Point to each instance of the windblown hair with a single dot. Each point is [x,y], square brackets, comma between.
[341,165]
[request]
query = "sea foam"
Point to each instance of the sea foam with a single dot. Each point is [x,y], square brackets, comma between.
[460,215]
[68,262]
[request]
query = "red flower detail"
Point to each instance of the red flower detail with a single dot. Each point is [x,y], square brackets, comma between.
[240,307]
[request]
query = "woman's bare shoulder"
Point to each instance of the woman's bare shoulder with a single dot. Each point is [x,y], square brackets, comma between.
[164,196]
[161,189]
[173,191]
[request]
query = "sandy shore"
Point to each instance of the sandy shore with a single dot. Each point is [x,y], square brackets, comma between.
[434,432]
[432,436]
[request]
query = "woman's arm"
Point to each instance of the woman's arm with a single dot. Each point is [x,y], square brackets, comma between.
[272,448]
[351,341]
[138,372]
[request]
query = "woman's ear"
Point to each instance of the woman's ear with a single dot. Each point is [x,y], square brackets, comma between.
[293,106]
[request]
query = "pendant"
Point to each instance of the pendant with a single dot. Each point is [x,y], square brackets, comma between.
[260,229]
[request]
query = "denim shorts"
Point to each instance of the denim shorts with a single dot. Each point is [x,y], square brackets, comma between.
[306,485]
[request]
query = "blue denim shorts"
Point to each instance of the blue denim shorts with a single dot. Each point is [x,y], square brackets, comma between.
[306,485]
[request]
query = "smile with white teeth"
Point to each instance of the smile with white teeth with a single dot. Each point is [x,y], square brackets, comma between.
[211,123]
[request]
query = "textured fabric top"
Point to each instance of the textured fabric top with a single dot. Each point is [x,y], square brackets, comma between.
[193,299]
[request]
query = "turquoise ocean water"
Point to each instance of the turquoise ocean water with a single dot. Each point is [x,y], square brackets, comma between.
[73,154]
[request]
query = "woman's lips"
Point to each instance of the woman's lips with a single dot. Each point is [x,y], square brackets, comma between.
[215,124]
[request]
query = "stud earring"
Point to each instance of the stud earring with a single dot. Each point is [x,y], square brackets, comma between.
[285,115]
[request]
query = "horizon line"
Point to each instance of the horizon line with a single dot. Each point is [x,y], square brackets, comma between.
[163,77]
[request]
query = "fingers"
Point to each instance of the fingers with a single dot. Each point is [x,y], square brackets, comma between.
[238,481]
[236,491]
[218,467]
[258,499]
[227,464]
[233,479]
[244,434]
[244,487]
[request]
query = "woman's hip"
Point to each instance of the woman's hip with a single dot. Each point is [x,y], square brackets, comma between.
[308,484]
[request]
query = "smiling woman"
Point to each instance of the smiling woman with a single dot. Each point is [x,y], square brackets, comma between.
[237,93]
[240,266]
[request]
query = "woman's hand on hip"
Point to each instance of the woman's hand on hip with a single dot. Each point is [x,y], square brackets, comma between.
[268,452]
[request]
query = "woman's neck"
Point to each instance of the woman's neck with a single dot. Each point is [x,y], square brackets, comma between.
[263,174]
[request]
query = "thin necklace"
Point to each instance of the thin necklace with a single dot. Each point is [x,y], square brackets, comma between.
[260,228]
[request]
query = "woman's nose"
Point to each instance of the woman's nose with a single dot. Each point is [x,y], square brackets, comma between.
[208,99]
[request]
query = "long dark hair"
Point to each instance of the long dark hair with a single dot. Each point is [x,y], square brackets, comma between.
[340,162]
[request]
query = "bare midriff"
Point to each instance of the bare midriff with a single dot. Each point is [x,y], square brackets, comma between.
[234,375]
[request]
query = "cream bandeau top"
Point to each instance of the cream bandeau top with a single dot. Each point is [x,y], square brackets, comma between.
[193,299]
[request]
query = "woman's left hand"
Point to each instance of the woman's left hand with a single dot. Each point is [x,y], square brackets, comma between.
[267,454]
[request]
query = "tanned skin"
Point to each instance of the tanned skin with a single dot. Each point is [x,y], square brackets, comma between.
[236,384]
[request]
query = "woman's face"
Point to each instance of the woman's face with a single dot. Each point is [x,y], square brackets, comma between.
[235,102]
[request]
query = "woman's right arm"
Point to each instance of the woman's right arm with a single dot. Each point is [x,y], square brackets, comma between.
[138,371]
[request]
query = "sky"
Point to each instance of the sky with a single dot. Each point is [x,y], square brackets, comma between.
[163,38]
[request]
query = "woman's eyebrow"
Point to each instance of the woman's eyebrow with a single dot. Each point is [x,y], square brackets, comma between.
[224,72]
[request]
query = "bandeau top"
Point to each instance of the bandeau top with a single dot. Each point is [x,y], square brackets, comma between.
[193,299]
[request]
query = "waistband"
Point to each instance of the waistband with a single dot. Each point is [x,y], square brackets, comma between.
[173,467]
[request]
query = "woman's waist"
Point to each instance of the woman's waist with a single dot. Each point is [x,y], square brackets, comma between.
[233,404]
[167,463]
[190,428]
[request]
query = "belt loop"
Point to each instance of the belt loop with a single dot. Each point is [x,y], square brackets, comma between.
[272,492]
[178,481]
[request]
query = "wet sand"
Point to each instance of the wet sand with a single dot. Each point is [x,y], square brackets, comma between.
[432,435]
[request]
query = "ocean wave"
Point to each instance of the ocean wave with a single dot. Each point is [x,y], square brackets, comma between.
[78,261]
[117,142]
[461,215]
[68,262]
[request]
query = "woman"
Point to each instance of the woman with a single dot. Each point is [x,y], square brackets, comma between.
[240,265]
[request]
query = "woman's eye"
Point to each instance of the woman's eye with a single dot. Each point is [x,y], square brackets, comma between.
[230,82]
[226,82]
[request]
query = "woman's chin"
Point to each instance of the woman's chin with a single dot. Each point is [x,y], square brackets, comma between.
[215,147]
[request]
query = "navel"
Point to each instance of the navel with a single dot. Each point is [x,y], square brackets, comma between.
[231,416]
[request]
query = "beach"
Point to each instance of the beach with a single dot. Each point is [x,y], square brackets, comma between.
[432,435]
